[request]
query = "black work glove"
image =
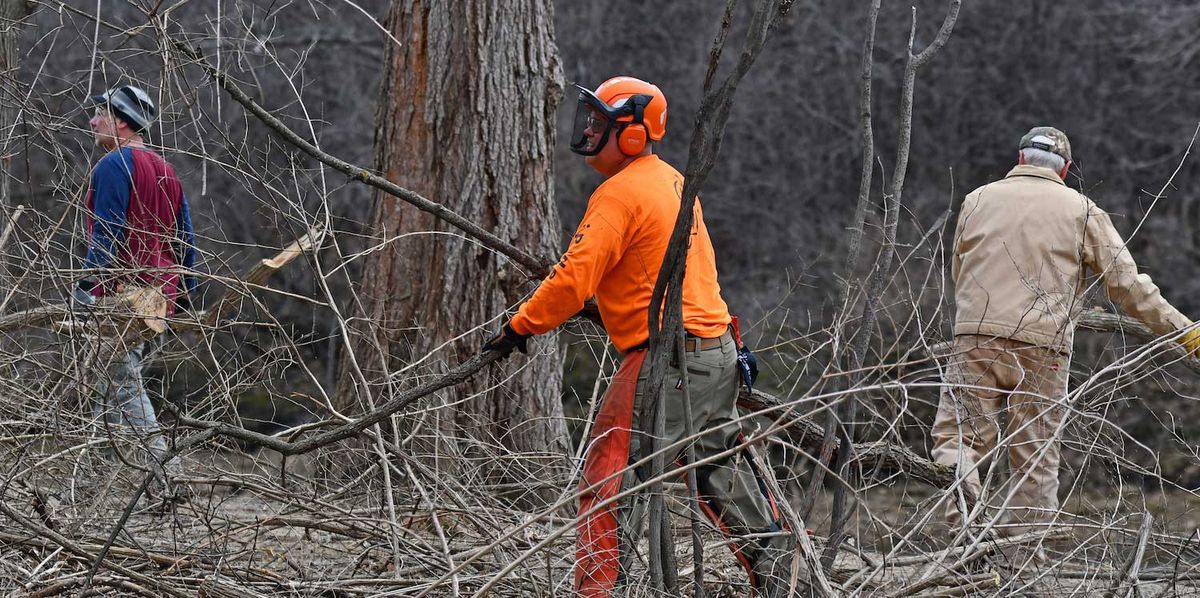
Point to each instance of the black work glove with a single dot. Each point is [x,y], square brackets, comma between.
[748,364]
[506,340]
[82,301]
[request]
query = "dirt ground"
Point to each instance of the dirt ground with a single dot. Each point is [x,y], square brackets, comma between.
[252,528]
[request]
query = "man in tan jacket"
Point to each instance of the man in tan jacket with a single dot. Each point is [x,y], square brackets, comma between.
[1022,248]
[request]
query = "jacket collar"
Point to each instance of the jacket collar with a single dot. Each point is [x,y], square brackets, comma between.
[1037,171]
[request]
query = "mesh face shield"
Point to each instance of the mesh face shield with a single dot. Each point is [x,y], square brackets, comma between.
[593,121]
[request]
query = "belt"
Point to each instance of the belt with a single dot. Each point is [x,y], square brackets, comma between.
[689,343]
[695,343]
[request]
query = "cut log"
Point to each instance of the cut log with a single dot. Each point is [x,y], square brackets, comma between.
[61,318]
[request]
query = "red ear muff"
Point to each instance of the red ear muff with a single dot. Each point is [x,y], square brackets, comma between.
[632,139]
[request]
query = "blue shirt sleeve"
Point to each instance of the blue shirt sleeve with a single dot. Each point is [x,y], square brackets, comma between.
[111,182]
[185,244]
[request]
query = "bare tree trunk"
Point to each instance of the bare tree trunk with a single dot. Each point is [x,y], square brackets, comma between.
[466,116]
[11,14]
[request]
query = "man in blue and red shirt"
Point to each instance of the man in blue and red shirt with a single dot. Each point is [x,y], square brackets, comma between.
[139,237]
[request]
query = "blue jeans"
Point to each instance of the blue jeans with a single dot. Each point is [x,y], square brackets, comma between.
[121,401]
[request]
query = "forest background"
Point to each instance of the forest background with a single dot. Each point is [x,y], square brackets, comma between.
[1121,78]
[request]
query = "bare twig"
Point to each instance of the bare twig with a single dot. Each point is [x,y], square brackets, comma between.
[537,268]
[1133,565]
[883,265]
[667,298]
[816,483]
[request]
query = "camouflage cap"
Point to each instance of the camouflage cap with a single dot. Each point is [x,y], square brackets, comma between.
[1048,139]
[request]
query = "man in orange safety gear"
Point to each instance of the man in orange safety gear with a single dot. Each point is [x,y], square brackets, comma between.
[615,256]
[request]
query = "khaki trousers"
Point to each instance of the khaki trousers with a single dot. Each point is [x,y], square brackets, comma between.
[988,378]
[731,494]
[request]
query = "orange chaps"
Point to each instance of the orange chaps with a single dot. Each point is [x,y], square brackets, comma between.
[598,548]
[597,551]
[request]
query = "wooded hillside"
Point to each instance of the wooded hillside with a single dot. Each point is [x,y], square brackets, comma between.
[333,404]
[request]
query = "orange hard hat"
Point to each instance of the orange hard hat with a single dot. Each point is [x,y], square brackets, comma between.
[654,114]
[635,109]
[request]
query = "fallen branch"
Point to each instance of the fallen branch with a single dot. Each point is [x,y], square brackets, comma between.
[459,374]
[970,585]
[163,561]
[964,558]
[76,550]
[537,268]
[261,271]
[1097,320]
[1133,565]
[61,316]
[805,552]
[882,455]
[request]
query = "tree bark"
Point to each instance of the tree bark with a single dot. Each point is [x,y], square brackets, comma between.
[466,114]
[12,12]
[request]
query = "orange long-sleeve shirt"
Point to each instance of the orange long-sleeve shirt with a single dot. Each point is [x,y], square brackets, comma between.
[616,255]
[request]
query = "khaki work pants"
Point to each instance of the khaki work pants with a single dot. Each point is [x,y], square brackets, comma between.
[988,378]
[730,491]
[730,485]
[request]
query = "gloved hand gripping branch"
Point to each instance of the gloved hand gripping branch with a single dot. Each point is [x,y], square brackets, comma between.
[1191,341]
[506,340]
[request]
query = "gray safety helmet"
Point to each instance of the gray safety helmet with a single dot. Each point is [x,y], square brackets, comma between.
[131,104]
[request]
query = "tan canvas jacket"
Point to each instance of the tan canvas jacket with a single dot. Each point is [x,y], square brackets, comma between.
[1022,250]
